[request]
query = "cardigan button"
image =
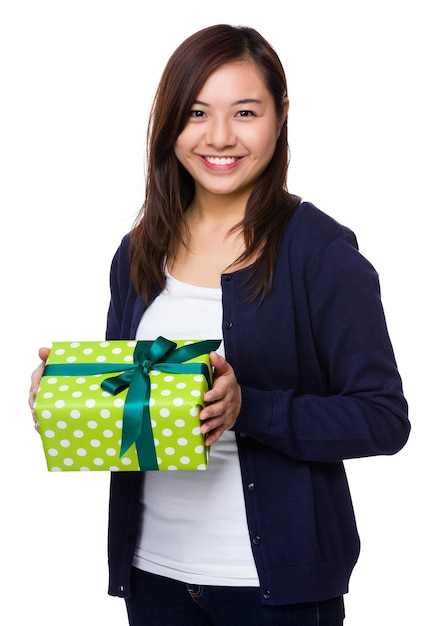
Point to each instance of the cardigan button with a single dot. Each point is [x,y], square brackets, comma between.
[228,277]
[267,594]
[228,325]
[256,541]
[251,486]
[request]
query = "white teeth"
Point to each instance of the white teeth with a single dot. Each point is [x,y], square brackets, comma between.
[221,160]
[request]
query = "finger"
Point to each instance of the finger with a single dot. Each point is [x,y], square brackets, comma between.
[219,363]
[31,402]
[35,383]
[37,373]
[212,436]
[216,393]
[32,397]
[43,353]
[211,411]
[222,381]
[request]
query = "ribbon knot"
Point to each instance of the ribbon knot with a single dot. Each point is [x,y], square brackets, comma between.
[147,366]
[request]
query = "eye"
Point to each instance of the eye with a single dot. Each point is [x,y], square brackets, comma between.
[197,113]
[245,114]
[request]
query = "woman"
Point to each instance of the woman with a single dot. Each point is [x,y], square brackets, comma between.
[305,376]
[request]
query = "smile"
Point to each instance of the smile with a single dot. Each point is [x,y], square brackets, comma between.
[220,160]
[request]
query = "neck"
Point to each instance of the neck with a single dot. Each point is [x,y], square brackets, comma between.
[225,208]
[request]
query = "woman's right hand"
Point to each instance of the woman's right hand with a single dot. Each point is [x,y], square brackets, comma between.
[35,382]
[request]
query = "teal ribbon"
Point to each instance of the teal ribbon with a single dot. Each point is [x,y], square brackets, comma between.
[161,354]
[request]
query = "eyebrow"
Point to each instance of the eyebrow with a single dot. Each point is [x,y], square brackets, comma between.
[236,103]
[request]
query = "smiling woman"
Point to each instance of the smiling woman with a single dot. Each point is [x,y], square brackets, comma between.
[305,376]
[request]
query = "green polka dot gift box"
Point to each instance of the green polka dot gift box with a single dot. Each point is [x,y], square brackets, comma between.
[124,405]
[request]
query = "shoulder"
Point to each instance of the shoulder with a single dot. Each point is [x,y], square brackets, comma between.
[312,229]
[316,245]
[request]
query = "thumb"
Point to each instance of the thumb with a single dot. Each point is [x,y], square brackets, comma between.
[43,353]
[219,363]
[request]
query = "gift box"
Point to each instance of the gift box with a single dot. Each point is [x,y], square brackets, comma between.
[124,405]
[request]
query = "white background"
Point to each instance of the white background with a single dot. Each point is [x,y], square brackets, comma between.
[367,139]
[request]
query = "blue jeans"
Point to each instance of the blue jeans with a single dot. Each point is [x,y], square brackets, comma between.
[159,601]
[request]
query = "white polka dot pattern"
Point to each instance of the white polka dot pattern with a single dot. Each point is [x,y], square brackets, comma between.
[81,424]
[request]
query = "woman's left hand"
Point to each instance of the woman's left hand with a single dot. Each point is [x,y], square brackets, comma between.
[223,401]
[35,382]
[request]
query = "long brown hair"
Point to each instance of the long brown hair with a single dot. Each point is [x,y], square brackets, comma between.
[170,188]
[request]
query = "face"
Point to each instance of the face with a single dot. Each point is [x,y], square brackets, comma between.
[231,132]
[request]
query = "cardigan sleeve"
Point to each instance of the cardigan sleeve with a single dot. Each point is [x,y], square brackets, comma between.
[359,408]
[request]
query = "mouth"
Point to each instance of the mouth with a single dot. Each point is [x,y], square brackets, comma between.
[221,160]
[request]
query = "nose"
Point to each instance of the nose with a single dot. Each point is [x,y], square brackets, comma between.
[220,134]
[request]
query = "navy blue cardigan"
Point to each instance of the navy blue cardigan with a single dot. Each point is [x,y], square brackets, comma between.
[319,385]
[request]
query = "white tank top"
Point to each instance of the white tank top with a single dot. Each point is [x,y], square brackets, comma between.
[193,524]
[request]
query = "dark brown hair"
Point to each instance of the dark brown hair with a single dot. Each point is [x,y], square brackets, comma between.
[170,188]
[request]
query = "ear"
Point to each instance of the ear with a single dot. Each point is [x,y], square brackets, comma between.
[283,116]
[285,107]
